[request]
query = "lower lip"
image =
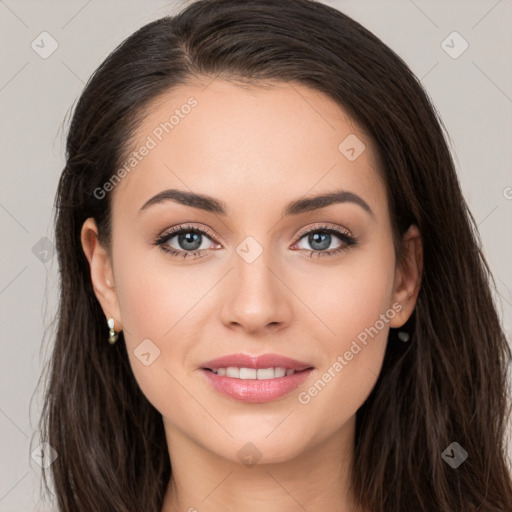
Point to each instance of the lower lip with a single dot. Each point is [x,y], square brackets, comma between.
[253,390]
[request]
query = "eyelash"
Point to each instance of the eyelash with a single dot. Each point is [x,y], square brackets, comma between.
[161,241]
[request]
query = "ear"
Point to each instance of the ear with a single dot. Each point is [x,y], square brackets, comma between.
[408,276]
[102,276]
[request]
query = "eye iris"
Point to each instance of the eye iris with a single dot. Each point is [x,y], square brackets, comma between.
[184,239]
[315,238]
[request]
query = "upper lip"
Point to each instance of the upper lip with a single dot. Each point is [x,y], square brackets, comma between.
[262,361]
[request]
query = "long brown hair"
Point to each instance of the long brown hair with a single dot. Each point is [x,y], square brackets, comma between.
[447,384]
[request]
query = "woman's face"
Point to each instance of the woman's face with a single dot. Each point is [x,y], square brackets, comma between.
[272,273]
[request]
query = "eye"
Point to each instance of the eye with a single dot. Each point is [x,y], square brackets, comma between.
[320,238]
[189,241]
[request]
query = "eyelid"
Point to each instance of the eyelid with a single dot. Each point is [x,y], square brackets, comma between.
[323,225]
[181,227]
[304,231]
[342,233]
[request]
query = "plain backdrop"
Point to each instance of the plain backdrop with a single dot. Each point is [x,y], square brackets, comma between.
[472,92]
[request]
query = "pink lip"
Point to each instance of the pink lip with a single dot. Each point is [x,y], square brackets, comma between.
[254,390]
[264,361]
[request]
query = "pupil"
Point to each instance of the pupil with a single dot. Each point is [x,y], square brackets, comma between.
[324,239]
[190,241]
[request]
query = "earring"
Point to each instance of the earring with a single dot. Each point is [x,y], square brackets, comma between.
[403,336]
[112,335]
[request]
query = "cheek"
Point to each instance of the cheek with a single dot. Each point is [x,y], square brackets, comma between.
[157,302]
[358,313]
[154,293]
[351,294]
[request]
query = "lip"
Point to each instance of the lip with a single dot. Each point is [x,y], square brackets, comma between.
[256,390]
[241,360]
[253,390]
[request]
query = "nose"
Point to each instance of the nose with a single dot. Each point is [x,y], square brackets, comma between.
[256,298]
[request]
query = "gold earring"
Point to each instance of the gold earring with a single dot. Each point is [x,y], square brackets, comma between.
[112,335]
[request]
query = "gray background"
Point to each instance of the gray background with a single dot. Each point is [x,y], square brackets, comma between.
[473,94]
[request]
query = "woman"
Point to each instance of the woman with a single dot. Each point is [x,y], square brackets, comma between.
[273,294]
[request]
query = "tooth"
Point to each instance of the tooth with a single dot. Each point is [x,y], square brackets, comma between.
[265,373]
[233,371]
[247,373]
[279,372]
[253,373]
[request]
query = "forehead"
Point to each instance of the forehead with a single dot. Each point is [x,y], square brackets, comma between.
[246,144]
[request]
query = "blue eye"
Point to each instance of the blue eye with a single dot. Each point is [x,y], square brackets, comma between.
[188,237]
[190,241]
[321,237]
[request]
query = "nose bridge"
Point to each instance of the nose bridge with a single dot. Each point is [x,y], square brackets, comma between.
[252,261]
[256,296]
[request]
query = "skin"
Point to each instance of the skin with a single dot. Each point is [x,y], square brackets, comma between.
[256,149]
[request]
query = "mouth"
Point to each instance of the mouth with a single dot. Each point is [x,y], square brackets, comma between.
[256,378]
[247,366]
[244,373]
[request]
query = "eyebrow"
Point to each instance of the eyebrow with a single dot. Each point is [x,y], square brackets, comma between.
[210,204]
